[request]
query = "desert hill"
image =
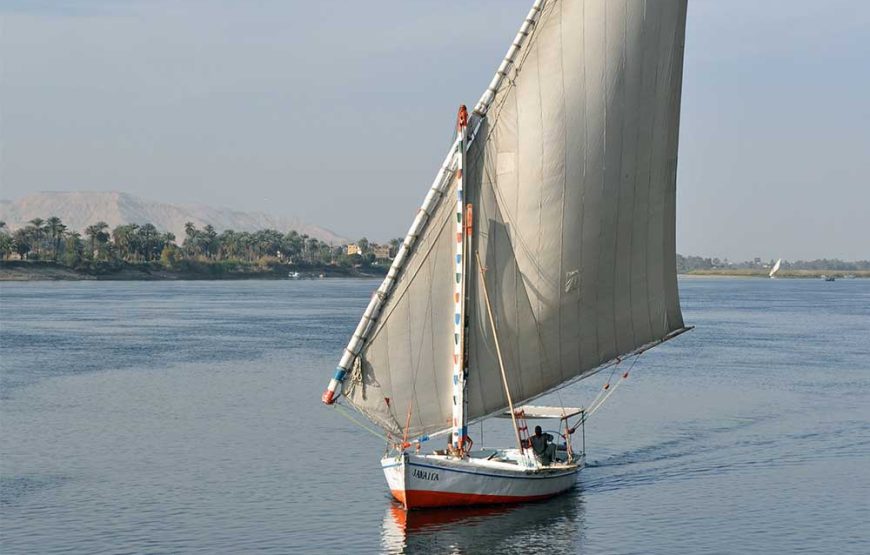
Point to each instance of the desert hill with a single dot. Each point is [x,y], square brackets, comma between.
[80,209]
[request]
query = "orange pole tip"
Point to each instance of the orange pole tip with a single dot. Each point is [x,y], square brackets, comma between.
[328,397]
[462,119]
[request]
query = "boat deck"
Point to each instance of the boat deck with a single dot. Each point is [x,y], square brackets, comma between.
[507,459]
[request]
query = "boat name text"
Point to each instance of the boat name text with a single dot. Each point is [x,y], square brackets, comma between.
[424,475]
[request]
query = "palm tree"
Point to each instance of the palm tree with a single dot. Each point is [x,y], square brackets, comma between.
[293,244]
[268,242]
[208,243]
[124,237]
[228,245]
[22,242]
[5,241]
[190,237]
[74,249]
[6,244]
[38,227]
[97,233]
[55,231]
[246,245]
[149,238]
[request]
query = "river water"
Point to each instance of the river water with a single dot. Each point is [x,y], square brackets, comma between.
[185,417]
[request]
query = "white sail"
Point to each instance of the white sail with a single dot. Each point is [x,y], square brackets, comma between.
[572,179]
[775,268]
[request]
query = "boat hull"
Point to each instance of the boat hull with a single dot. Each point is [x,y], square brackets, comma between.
[420,481]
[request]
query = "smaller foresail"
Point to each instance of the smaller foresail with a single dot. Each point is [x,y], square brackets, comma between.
[433,200]
[376,304]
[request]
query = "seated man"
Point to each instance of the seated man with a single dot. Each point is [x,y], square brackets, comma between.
[544,450]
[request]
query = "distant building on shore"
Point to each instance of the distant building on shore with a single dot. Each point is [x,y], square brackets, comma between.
[381,252]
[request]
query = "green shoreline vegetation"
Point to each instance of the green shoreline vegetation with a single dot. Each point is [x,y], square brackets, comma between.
[47,250]
[699,266]
[787,274]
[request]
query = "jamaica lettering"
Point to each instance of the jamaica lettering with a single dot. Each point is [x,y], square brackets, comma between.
[425,475]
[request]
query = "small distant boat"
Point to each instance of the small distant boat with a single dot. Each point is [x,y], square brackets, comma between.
[829,278]
[294,275]
[775,269]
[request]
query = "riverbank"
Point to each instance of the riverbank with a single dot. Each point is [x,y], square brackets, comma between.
[782,274]
[189,270]
[15,270]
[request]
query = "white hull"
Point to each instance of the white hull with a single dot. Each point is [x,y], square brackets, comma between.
[507,477]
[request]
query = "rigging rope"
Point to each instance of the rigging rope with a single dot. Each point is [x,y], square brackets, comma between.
[407,424]
[356,378]
[606,392]
[345,413]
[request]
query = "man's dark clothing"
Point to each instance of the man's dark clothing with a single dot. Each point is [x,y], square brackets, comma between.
[544,450]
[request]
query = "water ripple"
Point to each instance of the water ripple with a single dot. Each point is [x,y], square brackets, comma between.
[185,418]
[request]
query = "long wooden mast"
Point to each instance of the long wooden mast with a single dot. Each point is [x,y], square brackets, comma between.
[463,236]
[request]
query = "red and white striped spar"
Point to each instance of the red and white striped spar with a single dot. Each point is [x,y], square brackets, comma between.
[483,477]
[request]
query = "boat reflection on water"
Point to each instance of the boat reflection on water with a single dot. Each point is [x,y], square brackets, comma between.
[556,524]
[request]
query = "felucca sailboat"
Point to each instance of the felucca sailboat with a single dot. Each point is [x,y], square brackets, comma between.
[543,252]
[775,269]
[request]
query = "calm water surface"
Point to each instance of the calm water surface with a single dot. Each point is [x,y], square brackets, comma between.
[185,418]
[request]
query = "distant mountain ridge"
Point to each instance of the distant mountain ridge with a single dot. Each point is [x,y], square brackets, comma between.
[81,209]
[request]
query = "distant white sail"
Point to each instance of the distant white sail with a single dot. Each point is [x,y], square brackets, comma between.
[572,179]
[775,268]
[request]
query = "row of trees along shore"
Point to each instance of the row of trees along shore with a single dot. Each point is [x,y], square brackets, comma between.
[51,240]
[688,264]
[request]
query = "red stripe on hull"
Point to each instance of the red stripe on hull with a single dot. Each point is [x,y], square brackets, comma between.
[413,499]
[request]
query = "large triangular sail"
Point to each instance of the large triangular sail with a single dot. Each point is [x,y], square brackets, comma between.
[572,176]
[576,200]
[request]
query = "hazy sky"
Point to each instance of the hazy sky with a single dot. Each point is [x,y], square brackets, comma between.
[340,112]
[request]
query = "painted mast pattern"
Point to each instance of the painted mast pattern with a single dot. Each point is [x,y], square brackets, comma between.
[459,422]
